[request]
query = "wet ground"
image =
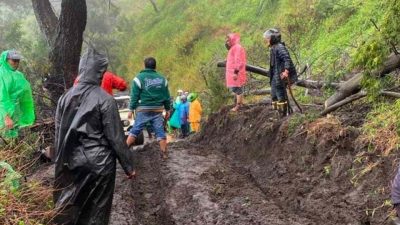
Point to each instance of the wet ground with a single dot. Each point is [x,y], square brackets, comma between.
[194,186]
[245,169]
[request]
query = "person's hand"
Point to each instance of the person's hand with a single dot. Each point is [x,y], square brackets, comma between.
[132,175]
[8,122]
[130,115]
[285,74]
[235,77]
[167,115]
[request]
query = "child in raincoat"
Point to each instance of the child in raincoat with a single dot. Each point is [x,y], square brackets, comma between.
[195,112]
[184,116]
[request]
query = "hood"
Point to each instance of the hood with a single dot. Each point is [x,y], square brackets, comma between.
[234,38]
[192,97]
[92,67]
[3,61]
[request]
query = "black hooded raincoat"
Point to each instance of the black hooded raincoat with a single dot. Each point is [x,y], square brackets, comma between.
[89,138]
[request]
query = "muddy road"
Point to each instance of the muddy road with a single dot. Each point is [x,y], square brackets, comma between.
[247,168]
[194,186]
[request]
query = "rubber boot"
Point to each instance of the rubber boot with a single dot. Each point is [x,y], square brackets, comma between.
[283,108]
[275,105]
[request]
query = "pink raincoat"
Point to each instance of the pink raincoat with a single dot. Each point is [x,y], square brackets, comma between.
[236,60]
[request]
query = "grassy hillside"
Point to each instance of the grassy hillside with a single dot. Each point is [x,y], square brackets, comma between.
[187,35]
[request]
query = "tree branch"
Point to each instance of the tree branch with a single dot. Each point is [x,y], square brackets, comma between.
[154,4]
[354,97]
[343,102]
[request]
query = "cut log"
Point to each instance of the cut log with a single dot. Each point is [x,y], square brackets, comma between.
[249,68]
[353,85]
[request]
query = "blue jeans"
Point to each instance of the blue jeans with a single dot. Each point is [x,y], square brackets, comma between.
[156,121]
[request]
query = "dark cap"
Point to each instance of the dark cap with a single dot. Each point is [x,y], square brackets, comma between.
[13,54]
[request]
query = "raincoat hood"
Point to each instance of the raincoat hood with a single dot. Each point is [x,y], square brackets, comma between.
[234,39]
[3,61]
[192,97]
[92,67]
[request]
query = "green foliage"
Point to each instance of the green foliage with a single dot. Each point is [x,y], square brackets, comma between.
[217,94]
[322,33]
[374,50]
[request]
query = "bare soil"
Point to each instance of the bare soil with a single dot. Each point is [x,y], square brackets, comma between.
[244,168]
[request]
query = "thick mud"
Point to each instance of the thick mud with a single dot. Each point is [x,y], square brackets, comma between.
[245,168]
[319,173]
[194,186]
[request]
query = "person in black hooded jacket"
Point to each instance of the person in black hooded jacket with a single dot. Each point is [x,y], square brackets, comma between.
[282,70]
[89,137]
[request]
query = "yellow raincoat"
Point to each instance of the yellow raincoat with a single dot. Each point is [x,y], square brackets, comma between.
[195,112]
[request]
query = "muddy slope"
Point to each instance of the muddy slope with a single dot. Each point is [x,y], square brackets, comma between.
[313,173]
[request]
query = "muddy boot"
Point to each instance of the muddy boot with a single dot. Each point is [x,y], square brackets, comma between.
[282,108]
[275,105]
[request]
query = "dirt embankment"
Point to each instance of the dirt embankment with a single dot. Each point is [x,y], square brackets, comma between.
[319,173]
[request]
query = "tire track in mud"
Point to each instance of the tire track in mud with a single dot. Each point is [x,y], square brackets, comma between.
[194,186]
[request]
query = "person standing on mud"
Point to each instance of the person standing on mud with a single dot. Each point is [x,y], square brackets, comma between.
[235,68]
[184,116]
[282,70]
[195,112]
[149,98]
[89,137]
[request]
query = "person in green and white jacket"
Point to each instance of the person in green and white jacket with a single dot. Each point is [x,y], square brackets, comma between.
[149,98]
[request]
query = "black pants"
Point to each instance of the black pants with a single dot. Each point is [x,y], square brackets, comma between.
[87,200]
[278,89]
[185,129]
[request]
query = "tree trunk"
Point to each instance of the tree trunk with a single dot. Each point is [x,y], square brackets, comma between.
[353,85]
[65,37]
[46,18]
[154,4]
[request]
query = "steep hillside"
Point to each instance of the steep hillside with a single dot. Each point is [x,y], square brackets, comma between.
[187,36]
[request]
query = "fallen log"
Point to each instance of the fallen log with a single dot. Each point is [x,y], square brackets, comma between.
[343,102]
[391,94]
[313,84]
[249,68]
[353,85]
[259,92]
[310,84]
[354,97]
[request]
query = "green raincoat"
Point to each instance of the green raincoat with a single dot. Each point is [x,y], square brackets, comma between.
[15,98]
